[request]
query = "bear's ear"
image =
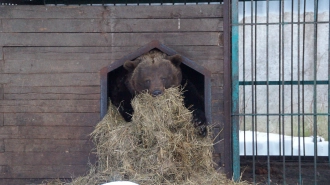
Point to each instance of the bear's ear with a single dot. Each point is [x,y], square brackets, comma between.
[175,59]
[130,65]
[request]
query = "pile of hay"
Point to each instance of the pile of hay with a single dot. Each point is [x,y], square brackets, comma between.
[159,146]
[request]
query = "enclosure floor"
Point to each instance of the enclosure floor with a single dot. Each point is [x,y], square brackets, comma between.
[291,172]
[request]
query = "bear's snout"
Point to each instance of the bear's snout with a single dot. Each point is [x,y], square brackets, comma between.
[156,92]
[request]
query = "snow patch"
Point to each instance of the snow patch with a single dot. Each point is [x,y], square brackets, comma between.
[279,144]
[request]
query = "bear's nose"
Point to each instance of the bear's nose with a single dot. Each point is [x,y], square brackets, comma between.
[156,92]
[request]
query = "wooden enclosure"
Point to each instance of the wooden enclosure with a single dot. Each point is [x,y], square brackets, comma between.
[50,62]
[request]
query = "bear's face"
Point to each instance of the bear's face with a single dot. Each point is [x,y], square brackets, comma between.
[153,72]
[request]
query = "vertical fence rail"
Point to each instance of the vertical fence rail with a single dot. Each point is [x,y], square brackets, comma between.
[303,76]
[298,110]
[329,85]
[315,91]
[281,74]
[252,92]
[229,146]
[267,90]
[235,89]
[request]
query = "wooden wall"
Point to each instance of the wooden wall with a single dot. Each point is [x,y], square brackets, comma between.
[50,58]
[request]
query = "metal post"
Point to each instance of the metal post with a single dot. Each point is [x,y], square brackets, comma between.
[235,90]
[227,91]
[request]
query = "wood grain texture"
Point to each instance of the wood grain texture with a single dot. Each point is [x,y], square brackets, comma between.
[49,106]
[51,119]
[51,93]
[50,60]
[45,158]
[2,145]
[111,25]
[49,79]
[109,39]
[1,92]
[2,64]
[128,12]
[42,171]
[47,145]
[29,181]
[45,132]
[68,53]
[1,53]
[96,54]
[2,120]
[92,59]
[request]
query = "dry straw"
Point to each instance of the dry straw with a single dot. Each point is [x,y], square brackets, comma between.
[159,146]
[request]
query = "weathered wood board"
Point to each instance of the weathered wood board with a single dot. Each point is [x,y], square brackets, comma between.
[124,12]
[112,25]
[50,61]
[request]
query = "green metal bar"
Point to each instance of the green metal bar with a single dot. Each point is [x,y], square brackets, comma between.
[235,91]
[267,91]
[299,83]
[256,70]
[279,77]
[318,82]
[315,91]
[244,69]
[283,92]
[303,78]
[291,87]
[252,96]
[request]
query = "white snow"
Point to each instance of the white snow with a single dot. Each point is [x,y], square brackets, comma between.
[276,144]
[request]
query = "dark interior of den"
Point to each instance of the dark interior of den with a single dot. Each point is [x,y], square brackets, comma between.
[193,91]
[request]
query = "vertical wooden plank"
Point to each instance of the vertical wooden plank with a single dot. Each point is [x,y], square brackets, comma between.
[227,152]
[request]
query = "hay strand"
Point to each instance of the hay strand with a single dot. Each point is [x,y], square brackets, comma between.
[159,147]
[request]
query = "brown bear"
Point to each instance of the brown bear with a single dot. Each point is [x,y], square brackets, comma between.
[154,72]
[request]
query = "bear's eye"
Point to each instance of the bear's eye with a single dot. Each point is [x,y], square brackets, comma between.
[147,82]
[164,79]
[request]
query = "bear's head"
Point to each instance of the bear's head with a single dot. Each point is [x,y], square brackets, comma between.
[153,72]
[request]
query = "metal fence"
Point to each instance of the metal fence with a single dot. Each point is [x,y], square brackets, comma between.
[280,91]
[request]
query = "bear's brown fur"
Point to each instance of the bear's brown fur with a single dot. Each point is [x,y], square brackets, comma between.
[153,72]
